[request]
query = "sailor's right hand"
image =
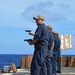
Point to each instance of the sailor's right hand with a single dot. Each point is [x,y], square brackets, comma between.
[31,33]
[30,43]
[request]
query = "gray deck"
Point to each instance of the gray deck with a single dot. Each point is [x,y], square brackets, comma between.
[64,71]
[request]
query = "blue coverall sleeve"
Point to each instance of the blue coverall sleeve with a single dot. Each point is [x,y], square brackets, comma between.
[55,43]
[59,43]
[38,33]
[51,38]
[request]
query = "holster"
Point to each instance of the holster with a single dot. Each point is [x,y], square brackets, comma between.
[49,47]
[55,49]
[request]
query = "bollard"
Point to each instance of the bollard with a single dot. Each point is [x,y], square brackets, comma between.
[13,67]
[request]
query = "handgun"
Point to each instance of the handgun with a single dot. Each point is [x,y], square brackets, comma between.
[27,30]
[27,39]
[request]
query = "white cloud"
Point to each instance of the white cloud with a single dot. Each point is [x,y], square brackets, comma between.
[53,10]
[18,13]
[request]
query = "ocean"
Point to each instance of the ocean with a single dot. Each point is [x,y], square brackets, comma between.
[7,59]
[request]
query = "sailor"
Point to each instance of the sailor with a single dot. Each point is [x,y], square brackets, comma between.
[40,42]
[49,56]
[58,53]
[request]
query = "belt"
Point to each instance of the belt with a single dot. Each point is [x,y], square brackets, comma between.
[55,50]
[41,46]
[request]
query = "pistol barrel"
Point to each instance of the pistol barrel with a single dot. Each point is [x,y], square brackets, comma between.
[27,39]
[27,30]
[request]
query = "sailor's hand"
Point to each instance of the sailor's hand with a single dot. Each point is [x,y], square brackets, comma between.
[30,43]
[31,33]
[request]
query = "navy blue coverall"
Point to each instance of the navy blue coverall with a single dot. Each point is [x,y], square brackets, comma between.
[58,53]
[49,54]
[38,64]
[54,56]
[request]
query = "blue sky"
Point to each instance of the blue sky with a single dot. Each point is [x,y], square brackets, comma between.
[16,16]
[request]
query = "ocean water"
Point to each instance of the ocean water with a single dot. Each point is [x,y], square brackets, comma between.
[7,59]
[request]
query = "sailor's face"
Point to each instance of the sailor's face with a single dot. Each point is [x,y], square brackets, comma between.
[38,21]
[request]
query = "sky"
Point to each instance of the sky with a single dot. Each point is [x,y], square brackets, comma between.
[16,16]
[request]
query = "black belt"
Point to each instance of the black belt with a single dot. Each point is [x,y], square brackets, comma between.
[41,46]
[55,50]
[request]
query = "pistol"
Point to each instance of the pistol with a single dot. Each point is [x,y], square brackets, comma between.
[27,30]
[27,39]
